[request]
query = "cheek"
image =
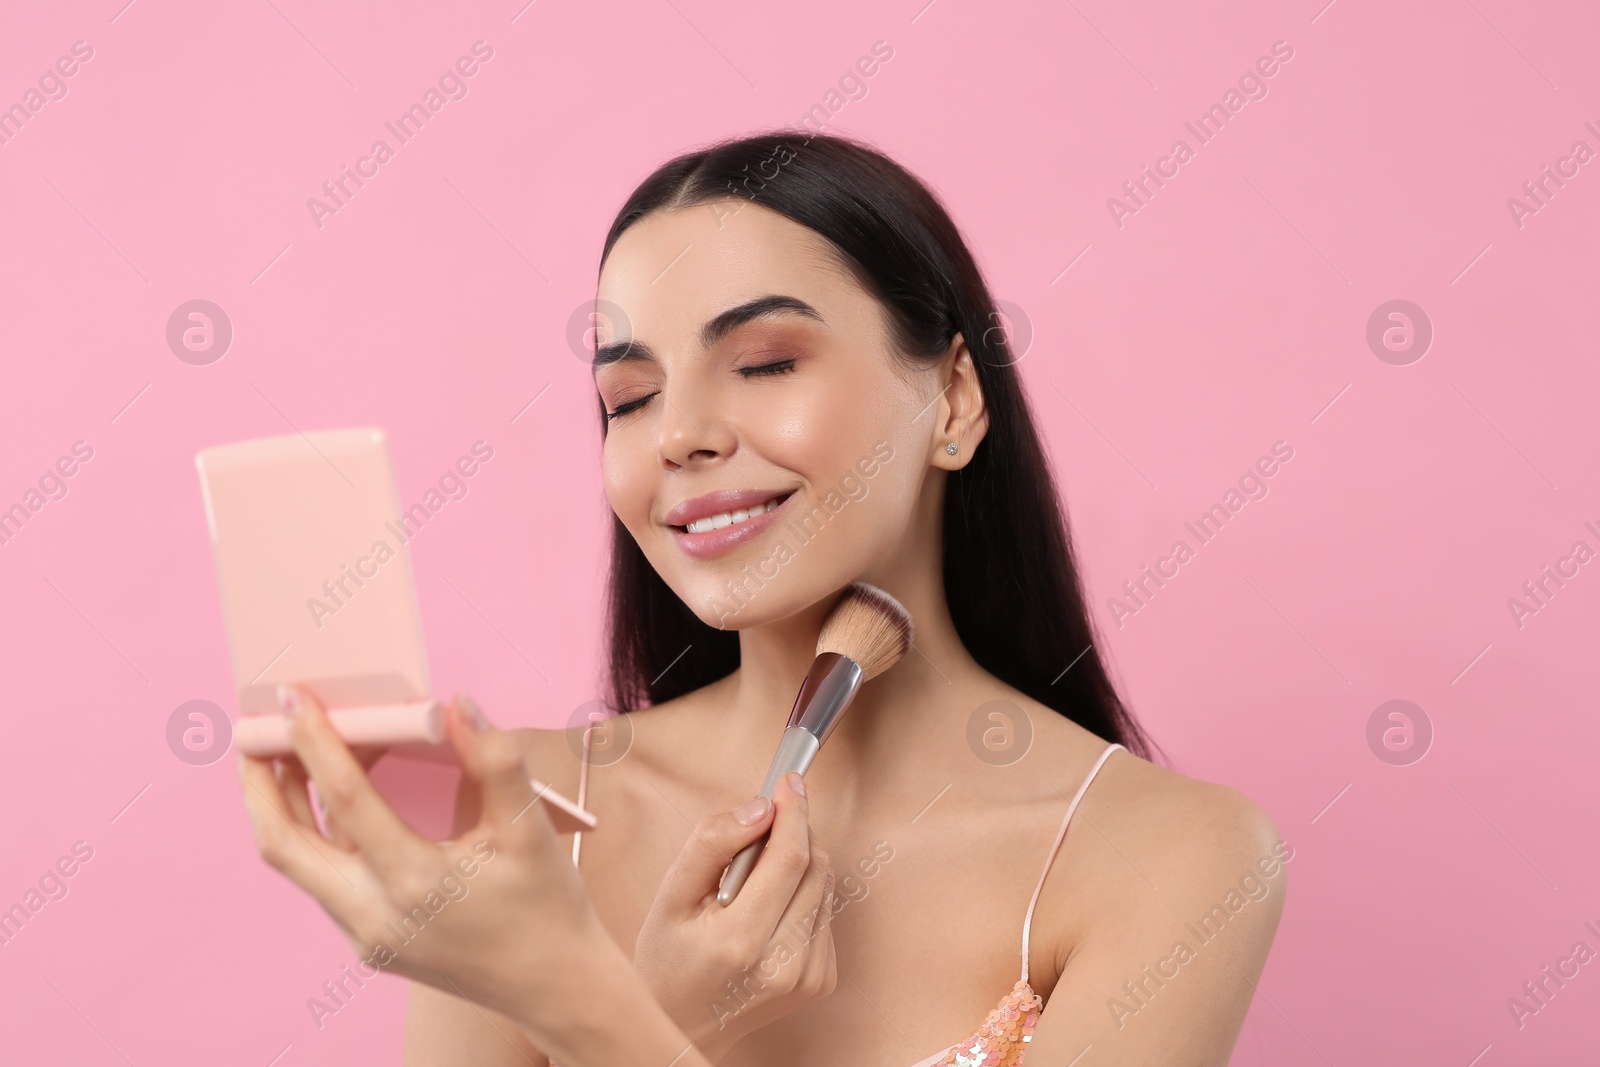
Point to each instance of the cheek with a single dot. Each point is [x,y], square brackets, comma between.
[885,513]
[626,491]
[820,445]
[816,427]
[829,430]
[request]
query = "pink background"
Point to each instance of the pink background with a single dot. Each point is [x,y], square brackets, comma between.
[1227,314]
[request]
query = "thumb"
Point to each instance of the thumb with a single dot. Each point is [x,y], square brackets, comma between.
[493,759]
[711,847]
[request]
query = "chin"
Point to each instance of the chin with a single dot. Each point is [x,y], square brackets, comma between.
[739,597]
[738,594]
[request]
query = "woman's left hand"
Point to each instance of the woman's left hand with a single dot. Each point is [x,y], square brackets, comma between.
[508,919]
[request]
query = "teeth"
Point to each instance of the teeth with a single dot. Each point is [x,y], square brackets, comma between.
[730,518]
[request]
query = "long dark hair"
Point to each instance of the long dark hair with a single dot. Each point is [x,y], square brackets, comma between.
[1010,580]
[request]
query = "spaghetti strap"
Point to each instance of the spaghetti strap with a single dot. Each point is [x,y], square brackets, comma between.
[1027,922]
[1007,1030]
[583,788]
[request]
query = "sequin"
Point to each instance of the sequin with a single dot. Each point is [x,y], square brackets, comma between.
[1003,1037]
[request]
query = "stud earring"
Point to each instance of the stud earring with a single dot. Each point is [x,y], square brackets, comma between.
[951,448]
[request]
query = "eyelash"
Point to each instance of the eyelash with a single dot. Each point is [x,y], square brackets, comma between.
[632,405]
[782,366]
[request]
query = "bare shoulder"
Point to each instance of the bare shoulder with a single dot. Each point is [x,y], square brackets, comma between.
[1159,913]
[1195,822]
[1139,802]
[1154,849]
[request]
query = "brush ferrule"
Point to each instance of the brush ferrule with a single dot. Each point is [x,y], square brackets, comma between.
[795,753]
[829,687]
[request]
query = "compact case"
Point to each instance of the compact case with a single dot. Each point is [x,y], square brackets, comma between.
[311,553]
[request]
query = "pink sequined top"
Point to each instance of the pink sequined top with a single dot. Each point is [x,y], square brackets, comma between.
[1005,1034]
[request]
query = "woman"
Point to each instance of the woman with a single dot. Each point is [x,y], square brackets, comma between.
[802,385]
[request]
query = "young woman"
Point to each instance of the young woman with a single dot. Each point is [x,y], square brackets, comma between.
[802,384]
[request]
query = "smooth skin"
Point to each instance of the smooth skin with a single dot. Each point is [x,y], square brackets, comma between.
[922,945]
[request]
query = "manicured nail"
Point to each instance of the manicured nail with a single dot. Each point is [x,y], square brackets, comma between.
[474,716]
[797,782]
[289,699]
[752,811]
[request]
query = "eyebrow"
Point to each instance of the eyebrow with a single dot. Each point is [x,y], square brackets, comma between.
[714,329]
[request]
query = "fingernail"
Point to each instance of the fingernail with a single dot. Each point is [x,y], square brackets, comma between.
[474,716]
[797,782]
[752,811]
[289,699]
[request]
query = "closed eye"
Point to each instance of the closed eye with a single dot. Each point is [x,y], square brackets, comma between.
[632,405]
[782,366]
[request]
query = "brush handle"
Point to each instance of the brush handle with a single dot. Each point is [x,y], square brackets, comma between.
[795,753]
[830,685]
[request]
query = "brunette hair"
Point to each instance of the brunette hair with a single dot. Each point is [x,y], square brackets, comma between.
[1010,579]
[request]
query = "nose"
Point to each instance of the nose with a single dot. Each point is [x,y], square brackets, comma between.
[693,430]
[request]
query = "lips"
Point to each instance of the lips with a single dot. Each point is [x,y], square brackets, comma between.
[722,530]
[723,500]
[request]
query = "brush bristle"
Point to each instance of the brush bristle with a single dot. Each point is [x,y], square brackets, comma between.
[869,626]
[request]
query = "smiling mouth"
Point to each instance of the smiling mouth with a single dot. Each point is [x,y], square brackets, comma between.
[734,517]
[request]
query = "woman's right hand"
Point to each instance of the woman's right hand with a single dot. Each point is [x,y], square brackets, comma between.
[498,916]
[723,972]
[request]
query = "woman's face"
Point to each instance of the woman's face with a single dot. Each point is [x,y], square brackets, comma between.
[764,447]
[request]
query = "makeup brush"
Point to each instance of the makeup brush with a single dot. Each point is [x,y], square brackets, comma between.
[867,632]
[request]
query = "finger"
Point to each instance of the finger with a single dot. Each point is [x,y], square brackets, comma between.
[367,755]
[694,876]
[297,851]
[346,793]
[335,833]
[493,759]
[294,787]
[830,976]
[804,917]
[322,819]
[298,802]
[338,838]
[305,806]
[819,950]
[469,806]
[787,856]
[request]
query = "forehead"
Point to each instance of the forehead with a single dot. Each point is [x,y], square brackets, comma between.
[673,271]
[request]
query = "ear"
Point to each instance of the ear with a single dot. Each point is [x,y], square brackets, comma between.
[961,416]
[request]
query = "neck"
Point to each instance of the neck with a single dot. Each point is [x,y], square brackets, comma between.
[910,700]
